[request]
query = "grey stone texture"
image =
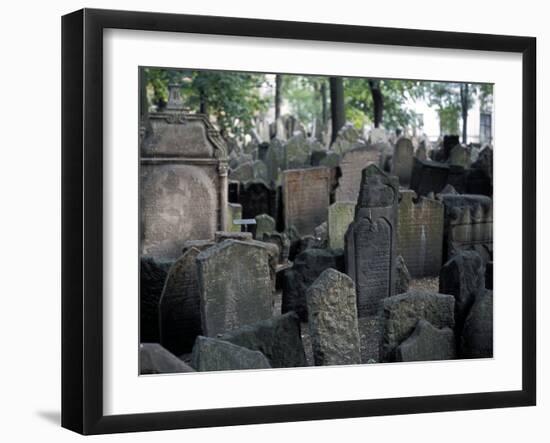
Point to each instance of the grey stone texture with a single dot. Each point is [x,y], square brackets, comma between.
[306,198]
[427,343]
[278,338]
[298,152]
[265,224]
[351,165]
[403,278]
[459,156]
[211,354]
[340,215]
[235,282]
[332,315]
[154,359]
[402,312]
[306,269]
[420,234]
[234,212]
[428,176]
[402,162]
[347,138]
[477,335]
[371,240]
[179,306]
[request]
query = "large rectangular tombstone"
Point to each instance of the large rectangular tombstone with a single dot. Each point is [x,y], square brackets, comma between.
[420,234]
[351,165]
[306,197]
[468,224]
[183,182]
[402,163]
[371,240]
[340,215]
[235,285]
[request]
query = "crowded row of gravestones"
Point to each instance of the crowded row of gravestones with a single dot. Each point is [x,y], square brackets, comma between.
[323,277]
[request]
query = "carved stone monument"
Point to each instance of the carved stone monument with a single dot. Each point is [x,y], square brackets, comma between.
[403,161]
[351,165]
[371,240]
[183,180]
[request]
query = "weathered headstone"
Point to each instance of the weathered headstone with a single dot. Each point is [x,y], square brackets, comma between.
[220,236]
[351,165]
[347,138]
[278,338]
[340,215]
[250,171]
[402,312]
[235,213]
[428,176]
[420,234]
[297,152]
[257,198]
[403,277]
[331,160]
[371,240]
[235,285]
[211,354]
[264,225]
[427,343]
[306,269]
[477,334]
[449,142]
[402,163]
[154,359]
[459,156]
[183,182]
[274,161]
[306,197]
[332,315]
[179,306]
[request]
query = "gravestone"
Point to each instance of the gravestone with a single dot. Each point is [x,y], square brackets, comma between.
[211,354]
[333,325]
[402,312]
[421,152]
[235,285]
[420,234]
[449,142]
[179,306]
[297,152]
[307,267]
[258,198]
[235,212]
[477,335]
[351,165]
[278,338]
[428,176]
[183,182]
[371,240]
[340,215]
[331,160]
[468,224]
[347,138]
[154,359]
[402,162]
[250,171]
[459,156]
[281,240]
[274,161]
[427,343]
[306,197]
[403,277]
[264,225]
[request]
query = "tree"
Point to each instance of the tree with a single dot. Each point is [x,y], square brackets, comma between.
[337,105]
[278,88]
[377,101]
[465,106]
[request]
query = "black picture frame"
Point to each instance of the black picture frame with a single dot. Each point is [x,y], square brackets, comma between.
[82,215]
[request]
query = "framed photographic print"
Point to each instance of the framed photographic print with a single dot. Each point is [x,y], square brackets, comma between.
[270,221]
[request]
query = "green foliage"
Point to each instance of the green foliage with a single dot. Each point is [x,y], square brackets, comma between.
[303,97]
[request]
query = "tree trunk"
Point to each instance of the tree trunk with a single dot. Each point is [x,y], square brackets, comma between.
[464,93]
[203,105]
[143,104]
[278,87]
[324,110]
[336,105]
[377,100]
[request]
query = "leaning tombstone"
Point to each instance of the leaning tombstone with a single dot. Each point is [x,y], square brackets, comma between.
[179,306]
[333,325]
[340,215]
[351,165]
[477,334]
[235,285]
[371,240]
[183,181]
[402,163]
[154,359]
[306,197]
[427,343]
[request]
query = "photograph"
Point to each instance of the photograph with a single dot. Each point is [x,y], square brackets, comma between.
[291,220]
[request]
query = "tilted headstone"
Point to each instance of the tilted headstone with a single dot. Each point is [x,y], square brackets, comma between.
[235,285]
[333,325]
[183,182]
[281,240]
[420,234]
[306,197]
[402,163]
[427,343]
[428,176]
[211,354]
[371,240]
[154,359]
[468,224]
[340,215]
[278,338]
[306,269]
[351,165]
[402,312]
[179,306]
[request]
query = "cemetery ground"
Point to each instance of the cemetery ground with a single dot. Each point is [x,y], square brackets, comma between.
[294,248]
